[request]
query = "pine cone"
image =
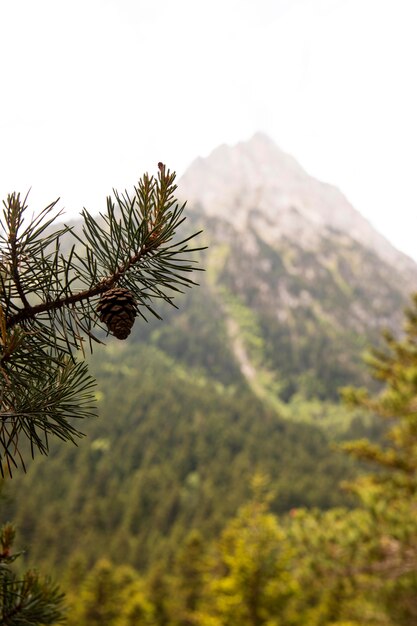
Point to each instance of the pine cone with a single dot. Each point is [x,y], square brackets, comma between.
[117,309]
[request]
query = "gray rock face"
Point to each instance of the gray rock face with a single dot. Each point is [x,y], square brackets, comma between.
[257,187]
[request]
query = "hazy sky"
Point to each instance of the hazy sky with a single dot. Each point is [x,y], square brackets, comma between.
[94,92]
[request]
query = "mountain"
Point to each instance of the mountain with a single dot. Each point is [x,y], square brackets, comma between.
[310,276]
[242,378]
[255,186]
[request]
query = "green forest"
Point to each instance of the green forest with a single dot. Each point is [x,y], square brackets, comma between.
[350,563]
[199,493]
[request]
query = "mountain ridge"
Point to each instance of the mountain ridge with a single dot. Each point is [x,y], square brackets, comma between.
[255,185]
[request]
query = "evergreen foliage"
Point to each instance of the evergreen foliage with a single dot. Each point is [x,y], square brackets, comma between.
[51,303]
[25,599]
[54,302]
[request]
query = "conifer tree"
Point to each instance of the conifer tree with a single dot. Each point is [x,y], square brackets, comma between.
[389,494]
[361,565]
[250,583]
[61,290]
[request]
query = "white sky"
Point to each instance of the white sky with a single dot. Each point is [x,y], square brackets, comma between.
[94,92]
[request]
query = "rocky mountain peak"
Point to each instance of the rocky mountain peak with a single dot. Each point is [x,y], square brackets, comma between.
[255,185]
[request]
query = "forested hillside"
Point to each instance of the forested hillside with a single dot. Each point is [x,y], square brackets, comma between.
[171,452]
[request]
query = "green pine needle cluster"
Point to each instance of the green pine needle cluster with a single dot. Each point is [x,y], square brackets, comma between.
[28,598]
[51,281]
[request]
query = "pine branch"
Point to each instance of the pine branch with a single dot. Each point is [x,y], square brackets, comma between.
[25,600]
[39,401]
[15,269]
[50,301]
[134,245]
[30,312]
[29,600]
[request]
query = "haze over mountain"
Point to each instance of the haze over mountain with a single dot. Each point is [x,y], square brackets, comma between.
[256,186]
